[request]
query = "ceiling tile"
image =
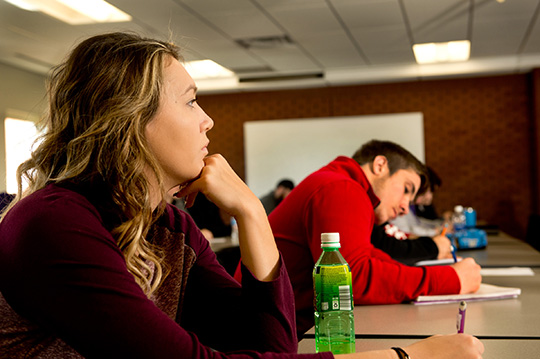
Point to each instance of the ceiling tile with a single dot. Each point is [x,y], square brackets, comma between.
[371,36]
[332,49]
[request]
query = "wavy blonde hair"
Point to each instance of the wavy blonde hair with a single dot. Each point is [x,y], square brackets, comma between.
[100,101]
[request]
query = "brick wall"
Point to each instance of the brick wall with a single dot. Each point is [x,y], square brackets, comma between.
[478,133]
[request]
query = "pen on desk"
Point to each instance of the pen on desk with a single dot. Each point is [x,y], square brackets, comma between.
[461,316]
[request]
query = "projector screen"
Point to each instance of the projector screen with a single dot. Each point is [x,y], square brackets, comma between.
[294,148]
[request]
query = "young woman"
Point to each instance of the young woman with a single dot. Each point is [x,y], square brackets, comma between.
[94,263]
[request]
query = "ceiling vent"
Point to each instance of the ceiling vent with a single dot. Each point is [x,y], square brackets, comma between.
[276,78]
[252,69]
[266,42]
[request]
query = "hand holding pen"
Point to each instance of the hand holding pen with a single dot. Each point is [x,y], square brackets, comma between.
[452,247]
[444,245]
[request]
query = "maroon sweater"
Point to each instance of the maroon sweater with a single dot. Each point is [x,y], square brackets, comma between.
[65,290]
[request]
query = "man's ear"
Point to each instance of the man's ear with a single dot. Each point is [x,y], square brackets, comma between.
[380,165]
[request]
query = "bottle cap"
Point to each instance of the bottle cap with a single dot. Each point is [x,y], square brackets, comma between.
[458,208]
[330,240]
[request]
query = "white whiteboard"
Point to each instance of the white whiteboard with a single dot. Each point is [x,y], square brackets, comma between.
[294,148]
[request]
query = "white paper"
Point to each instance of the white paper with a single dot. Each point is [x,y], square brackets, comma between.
[510,271]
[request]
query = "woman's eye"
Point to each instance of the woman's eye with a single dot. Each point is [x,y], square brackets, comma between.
[192,102]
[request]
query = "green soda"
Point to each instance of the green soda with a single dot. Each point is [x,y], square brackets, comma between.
[333,301]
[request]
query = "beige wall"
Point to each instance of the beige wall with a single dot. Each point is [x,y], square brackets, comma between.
[21,93]
[478,131]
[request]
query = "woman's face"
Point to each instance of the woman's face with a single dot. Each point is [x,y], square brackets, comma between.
[177,133]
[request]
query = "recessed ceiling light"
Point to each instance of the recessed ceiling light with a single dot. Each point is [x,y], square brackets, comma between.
[204,69]
[75,12]
[451,51]
[22,4]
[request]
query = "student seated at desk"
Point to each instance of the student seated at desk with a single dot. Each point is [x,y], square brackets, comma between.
[397,244]
[271,200]
[94,263]
[349,196]
[211,220]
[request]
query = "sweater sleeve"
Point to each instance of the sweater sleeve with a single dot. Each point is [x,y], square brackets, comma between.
[63,271]
[255,315]
[344,207]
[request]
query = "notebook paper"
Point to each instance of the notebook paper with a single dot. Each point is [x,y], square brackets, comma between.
[486,292]
[509,271]
[435,262]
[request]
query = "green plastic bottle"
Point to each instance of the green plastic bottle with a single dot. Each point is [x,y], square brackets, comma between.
[332,282]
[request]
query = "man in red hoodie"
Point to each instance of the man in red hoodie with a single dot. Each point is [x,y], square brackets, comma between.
[349,196]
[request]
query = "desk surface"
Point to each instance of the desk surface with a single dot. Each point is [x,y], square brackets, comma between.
[508,328]
[494,348]
[504,251]
[508,318]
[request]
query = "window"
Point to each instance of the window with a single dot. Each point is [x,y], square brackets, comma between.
[19,138]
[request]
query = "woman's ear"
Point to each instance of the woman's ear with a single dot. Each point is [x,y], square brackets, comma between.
[380,166]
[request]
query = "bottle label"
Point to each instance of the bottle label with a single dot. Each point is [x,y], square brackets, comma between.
[333,288]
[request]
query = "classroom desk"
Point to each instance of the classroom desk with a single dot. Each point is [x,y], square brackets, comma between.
[506,319]
[504,251]
[494,348]
[508,328]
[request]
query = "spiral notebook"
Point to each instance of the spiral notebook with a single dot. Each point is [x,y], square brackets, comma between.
[486,292]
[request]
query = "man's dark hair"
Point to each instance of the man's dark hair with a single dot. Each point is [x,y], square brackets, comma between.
[433,179]
[286,183]
[398,159]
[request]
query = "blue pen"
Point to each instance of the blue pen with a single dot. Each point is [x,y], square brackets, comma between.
[454,253]
[461,316]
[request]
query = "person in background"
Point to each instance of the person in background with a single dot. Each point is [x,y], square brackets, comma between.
[272,199]
[422,219]
[350,196]
[95,263]
[397,244]
[423,206]
[211,220]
